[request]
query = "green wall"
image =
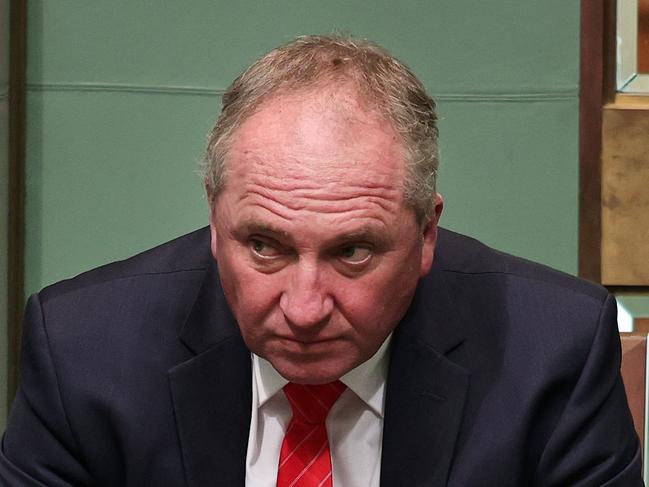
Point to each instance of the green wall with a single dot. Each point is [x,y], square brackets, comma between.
[121,95]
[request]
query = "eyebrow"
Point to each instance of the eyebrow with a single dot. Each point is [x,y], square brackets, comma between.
[367,233]
[252,226]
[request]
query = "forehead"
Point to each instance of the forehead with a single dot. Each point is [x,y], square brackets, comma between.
[321,136]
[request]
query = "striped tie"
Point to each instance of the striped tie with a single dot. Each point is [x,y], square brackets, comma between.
[304,460]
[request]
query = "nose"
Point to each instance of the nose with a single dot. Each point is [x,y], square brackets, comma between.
[304,302]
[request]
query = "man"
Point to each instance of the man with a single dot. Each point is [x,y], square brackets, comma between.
[323,284]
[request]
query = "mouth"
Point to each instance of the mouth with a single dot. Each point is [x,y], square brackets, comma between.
[308,342]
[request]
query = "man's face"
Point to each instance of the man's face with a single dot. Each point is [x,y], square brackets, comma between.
[318,255]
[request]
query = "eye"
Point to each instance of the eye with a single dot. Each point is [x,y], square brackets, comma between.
[355,254]
[263,249]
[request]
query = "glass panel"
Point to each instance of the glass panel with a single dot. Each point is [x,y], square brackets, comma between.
[632,46]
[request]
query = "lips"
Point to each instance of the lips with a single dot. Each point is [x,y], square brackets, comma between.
[309,341]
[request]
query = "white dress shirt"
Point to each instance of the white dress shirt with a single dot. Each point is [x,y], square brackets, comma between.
[354,424]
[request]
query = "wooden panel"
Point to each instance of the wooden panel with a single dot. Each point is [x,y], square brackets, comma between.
[625,196]
[590,138]
[17,145]
[643,36]
[634,356]
[641,325]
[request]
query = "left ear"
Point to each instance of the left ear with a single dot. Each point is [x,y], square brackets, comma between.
[213,232]
[429,237]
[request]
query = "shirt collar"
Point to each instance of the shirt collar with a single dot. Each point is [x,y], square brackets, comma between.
[367,380]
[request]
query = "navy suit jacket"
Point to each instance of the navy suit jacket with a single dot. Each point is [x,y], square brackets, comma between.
[502,373]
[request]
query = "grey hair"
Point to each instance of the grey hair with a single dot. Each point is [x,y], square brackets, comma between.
[378,78]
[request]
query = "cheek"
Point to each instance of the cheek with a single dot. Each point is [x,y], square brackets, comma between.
[250,295]
[373,307]
[248,292]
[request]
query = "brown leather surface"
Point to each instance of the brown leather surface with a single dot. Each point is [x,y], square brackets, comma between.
[641,325]
[634,357]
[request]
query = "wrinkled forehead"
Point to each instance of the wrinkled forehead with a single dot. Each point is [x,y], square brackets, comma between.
[324,135]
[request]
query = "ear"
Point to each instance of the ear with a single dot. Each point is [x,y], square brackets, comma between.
[430,237]
[213,231]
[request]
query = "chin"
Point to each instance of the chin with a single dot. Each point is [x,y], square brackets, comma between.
[311,373]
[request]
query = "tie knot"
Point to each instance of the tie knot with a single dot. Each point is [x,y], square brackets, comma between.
[311,403]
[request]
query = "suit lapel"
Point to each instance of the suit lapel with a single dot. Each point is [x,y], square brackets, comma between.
[425,391]
[212,392]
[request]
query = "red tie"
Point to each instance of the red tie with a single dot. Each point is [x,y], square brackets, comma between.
[305,460]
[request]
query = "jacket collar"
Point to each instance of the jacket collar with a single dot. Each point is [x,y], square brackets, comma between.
[426,391]
[212,391]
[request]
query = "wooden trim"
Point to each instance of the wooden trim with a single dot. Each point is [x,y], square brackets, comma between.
[641,325]
[609,33]
[638,290]
[17,130]
[623,101]
[596,88]
[591,96]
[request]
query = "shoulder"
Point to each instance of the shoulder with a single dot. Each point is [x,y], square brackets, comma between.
[510,307]
[177,259]
[126,307]
[96,353]
[541,349]
[465,258]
